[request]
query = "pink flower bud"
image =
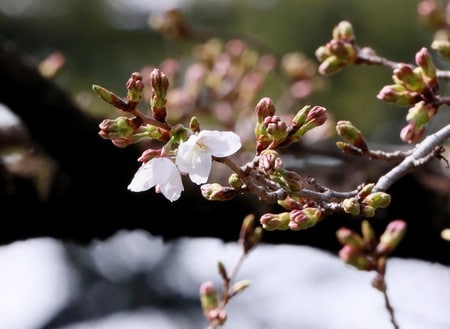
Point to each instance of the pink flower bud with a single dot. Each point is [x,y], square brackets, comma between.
[265,108]
[391,237]
[271,222]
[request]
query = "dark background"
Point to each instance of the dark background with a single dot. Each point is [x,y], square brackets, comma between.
[85,196]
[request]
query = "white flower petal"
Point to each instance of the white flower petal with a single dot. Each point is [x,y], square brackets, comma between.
[220,143]
[143,178]
[173,188]
[159,171]
[185,153]
[200,170]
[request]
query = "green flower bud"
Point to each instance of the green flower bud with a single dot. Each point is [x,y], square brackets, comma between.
[351,206]
[424,60]
[398,95]
[347,237]
[350,133]
[442,47]
[301,219]
[235,181]
[322,53]
[135,86]
[249,235]
[299,119]
[377,200]
[271,222]
[110,98]
[366,190]
[344,32]
[391,237]
[239,287]
[276,128]
[368,233]
[208,297]
[331,65]
[348,148]
[194,125]
[367,211]
[355,257]
[410,78]
[217,192]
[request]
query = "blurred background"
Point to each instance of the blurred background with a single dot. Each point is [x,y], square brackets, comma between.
[104,41]
[133,278]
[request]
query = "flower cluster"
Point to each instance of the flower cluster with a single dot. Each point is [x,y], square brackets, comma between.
[186,151]
[194,157]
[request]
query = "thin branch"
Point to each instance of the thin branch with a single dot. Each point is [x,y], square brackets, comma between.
[429,146]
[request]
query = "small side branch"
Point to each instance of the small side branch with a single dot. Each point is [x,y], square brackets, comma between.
[424,152]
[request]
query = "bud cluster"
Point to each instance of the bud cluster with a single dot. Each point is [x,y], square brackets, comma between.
[339,51]
[295,220]
[271,132]
[365,251]
[416,87]
[366,202]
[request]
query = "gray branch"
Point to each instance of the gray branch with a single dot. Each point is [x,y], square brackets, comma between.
[422,151]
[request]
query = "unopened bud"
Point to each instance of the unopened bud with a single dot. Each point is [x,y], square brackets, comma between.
[217,192]
[350,133]
[301,219]
[431,13]
[135,87]
[322,53]
[159,83]
[309,117]
[367,211]
[351,206]
[249,235]
[271,222]
[424,60]
[265,108]
[355,257]
[208,296]
[377,200]
[331,65]
[368,233]
[347,237]
[398,95]
[239,287]
[275,127]
[410,78]
[344,32]
[348,148]
[391,237]
[442,47]
[194,125]
[110,98]
[411,134]
[235,181]
[269,161]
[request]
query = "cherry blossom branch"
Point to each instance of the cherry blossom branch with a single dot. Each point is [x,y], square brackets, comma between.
[428,149]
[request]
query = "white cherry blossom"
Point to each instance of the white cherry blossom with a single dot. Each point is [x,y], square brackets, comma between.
[194,156]
[160,172]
